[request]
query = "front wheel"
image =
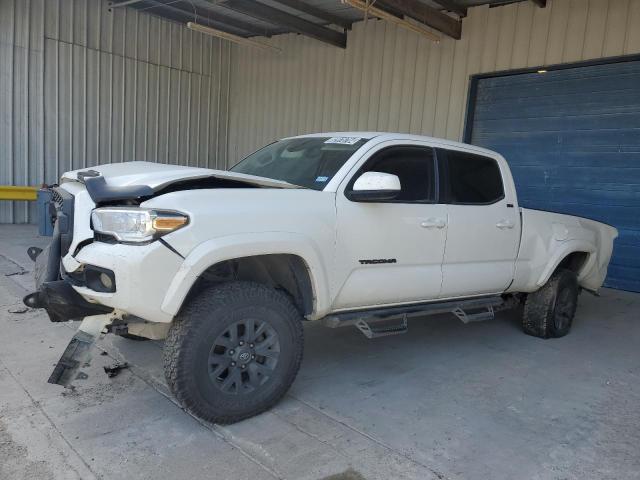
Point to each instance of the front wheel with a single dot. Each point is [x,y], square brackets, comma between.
[233,351]
[549,312]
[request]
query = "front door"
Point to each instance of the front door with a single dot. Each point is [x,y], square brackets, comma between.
[391,252]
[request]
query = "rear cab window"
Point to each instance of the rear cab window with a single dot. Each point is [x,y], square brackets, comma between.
[469,178]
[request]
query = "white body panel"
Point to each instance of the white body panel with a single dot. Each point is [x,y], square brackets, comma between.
[470,255]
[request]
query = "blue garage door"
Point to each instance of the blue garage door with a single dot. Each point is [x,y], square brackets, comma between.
[572,138]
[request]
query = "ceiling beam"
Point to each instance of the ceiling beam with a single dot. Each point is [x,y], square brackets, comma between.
[452,6]
[261,11]
[204,16]
[316,12]
[375,11]
[230,37]
[428,15]
[540,3]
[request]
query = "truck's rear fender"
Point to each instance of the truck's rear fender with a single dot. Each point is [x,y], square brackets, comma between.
[253,251]
[564,255]
[549,239]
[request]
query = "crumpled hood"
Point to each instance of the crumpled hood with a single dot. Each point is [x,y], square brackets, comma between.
[158,175]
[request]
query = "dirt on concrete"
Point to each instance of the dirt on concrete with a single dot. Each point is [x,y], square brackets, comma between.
[15,463]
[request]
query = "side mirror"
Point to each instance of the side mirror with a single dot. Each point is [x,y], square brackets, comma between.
[375,187]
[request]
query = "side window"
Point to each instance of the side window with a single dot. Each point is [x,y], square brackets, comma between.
[473,179]
[414,166]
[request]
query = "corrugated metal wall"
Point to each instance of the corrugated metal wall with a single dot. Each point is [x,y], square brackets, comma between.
[82,85]
[391,79]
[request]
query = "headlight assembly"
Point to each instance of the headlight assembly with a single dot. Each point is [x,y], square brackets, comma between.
[136,225]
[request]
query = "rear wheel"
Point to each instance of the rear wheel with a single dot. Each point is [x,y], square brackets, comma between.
[233,351]
[549,312]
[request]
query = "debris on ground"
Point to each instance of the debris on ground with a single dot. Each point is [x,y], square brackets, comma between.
[114,369]
[18,309]
[18,272]
[349,474]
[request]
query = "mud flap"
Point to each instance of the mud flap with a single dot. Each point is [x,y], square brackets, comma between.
[77,355]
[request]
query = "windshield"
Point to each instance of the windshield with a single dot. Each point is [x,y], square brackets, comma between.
[309,162]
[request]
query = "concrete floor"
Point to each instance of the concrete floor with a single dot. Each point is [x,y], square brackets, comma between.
[446,401]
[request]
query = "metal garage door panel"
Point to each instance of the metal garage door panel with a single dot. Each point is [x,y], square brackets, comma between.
[572,138]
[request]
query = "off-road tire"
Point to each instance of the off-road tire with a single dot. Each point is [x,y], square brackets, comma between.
[198,327]
[549,312]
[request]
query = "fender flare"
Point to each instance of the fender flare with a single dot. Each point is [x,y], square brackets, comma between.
[561,252]
[230,247]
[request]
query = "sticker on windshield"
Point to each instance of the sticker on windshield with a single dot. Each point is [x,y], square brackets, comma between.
[322,179]
[344,140]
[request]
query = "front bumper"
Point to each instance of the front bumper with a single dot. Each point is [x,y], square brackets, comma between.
[62,302]
[54,294]
[68,272]
[143,274]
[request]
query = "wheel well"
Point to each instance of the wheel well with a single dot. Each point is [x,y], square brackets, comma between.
[574,262]
[285,272]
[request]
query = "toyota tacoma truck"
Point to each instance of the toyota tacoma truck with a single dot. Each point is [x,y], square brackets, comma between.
[351,228]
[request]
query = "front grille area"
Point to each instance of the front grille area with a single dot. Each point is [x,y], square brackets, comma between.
[63,202]
[56,198]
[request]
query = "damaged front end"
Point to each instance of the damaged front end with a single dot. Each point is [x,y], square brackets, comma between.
[55,294]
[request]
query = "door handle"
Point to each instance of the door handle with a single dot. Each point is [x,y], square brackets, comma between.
[433,223]
[502,224]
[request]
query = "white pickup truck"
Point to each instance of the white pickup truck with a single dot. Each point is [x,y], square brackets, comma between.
[350,228]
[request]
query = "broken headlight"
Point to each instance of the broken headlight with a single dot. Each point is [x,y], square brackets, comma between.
[136,225]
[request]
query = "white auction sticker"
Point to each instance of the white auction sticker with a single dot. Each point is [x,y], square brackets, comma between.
[344,140]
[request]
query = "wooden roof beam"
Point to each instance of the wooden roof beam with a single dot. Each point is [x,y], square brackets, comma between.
[272,15]
[425,14]
[174,11]
[452,6]
[399,20]
[316,12]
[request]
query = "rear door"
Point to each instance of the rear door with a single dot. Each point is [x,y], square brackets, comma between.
[572,138]
[483,224]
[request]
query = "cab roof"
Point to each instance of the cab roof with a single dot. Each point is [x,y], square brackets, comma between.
[382,136]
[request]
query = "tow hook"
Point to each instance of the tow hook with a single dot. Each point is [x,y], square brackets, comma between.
[33,252]
[77,355]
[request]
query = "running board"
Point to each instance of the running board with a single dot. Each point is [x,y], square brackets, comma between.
[368,321]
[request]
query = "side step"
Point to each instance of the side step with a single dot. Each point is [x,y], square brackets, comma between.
[477,316]
[373,331]
[395,318]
